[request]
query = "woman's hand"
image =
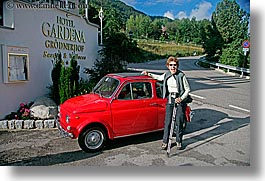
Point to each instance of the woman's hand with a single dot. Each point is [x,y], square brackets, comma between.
[178,100]
[144,73]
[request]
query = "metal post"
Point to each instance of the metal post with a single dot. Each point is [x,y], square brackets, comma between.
[86,9]
[188,41]
[101,29]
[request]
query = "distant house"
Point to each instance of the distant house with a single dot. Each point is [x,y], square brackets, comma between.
[31,34]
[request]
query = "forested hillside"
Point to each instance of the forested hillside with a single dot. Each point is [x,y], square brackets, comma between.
[221,37]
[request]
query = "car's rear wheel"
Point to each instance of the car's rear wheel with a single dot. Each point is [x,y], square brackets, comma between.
[92,140]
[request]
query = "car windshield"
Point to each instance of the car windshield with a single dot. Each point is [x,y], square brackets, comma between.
[106,86]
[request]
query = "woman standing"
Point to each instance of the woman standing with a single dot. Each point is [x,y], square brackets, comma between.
[176,89]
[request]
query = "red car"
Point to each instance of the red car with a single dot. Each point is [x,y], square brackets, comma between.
[120,105]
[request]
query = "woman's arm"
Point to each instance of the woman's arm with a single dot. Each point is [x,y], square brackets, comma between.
[186,88]
[154,76]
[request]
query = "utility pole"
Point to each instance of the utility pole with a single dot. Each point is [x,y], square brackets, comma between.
[86,10]
[101,16]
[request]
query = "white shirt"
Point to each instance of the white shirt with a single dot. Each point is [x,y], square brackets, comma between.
[172,84]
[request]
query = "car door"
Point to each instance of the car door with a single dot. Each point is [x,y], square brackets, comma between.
[134,110]
[161,105]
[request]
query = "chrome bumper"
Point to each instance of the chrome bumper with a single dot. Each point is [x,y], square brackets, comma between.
[62,131]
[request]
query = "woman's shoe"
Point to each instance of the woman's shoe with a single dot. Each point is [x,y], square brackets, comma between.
[179,146]
[164,146]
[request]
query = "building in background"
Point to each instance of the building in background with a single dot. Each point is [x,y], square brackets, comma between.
[31,34]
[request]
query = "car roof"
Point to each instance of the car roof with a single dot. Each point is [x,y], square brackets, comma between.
[130,76]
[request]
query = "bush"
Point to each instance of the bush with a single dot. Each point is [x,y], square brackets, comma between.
[65,80]
[23,112]
[118,50]
[69,81]
[55,75]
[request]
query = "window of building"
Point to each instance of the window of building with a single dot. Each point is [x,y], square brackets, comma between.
[6,14]
[17,67]
[15,64]
[1,14]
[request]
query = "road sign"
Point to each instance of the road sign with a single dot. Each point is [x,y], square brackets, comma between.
[246,44]
[245,50]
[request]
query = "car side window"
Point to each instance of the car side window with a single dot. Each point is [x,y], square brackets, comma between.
[125,93]
[141,90]
[136,90]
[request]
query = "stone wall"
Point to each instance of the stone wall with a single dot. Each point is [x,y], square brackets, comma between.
[27,124]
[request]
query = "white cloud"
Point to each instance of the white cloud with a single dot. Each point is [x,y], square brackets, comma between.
[169,15]
[181,15]
[201,11]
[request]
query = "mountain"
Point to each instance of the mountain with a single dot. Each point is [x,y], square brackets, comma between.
[124,10]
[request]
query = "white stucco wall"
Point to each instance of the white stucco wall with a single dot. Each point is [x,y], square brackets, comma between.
[28,33]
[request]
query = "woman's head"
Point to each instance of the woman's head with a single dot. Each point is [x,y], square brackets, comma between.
[172,64]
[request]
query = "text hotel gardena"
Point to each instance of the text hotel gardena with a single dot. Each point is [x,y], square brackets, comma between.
[63,29]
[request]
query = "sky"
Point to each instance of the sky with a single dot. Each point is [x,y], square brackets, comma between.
[178,9]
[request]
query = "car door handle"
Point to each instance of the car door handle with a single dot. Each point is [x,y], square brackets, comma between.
[153,104]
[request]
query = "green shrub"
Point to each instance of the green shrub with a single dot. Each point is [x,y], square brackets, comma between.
[55,75]
[22,113]
[65,80]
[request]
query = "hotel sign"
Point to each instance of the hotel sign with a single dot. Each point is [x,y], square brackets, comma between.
[63,36]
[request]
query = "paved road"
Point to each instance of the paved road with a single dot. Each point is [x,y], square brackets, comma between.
[209,86]
[218,135]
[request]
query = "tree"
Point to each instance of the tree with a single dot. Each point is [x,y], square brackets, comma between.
[118,50]
[112,22]
[212,42]
[139,25]
[74,79]
[232,23]
[65,79]
[157,28]
[69,80]
[55,75]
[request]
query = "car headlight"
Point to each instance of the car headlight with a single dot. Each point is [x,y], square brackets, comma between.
[67,119]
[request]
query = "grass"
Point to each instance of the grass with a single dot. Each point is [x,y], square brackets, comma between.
[165,49]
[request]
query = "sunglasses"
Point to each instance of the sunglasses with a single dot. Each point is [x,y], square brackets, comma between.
[172,65]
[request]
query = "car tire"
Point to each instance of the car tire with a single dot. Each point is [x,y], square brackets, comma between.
[92,140]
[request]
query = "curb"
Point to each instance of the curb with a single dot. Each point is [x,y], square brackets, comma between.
[27,124]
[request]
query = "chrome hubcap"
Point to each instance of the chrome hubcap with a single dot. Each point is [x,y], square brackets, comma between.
[94,139]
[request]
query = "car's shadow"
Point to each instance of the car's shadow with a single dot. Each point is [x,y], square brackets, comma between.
[133,140]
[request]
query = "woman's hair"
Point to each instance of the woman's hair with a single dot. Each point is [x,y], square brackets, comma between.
[172,59]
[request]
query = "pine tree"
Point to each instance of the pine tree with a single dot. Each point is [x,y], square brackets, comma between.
[74,79]
[55,75]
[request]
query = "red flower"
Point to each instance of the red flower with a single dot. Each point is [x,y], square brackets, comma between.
[22,104]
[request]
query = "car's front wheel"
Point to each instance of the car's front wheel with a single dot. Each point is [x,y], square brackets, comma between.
[92,140]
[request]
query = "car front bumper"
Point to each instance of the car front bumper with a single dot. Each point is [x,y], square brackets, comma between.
[63,132]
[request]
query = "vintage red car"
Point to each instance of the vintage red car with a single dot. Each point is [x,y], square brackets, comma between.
[121,104]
